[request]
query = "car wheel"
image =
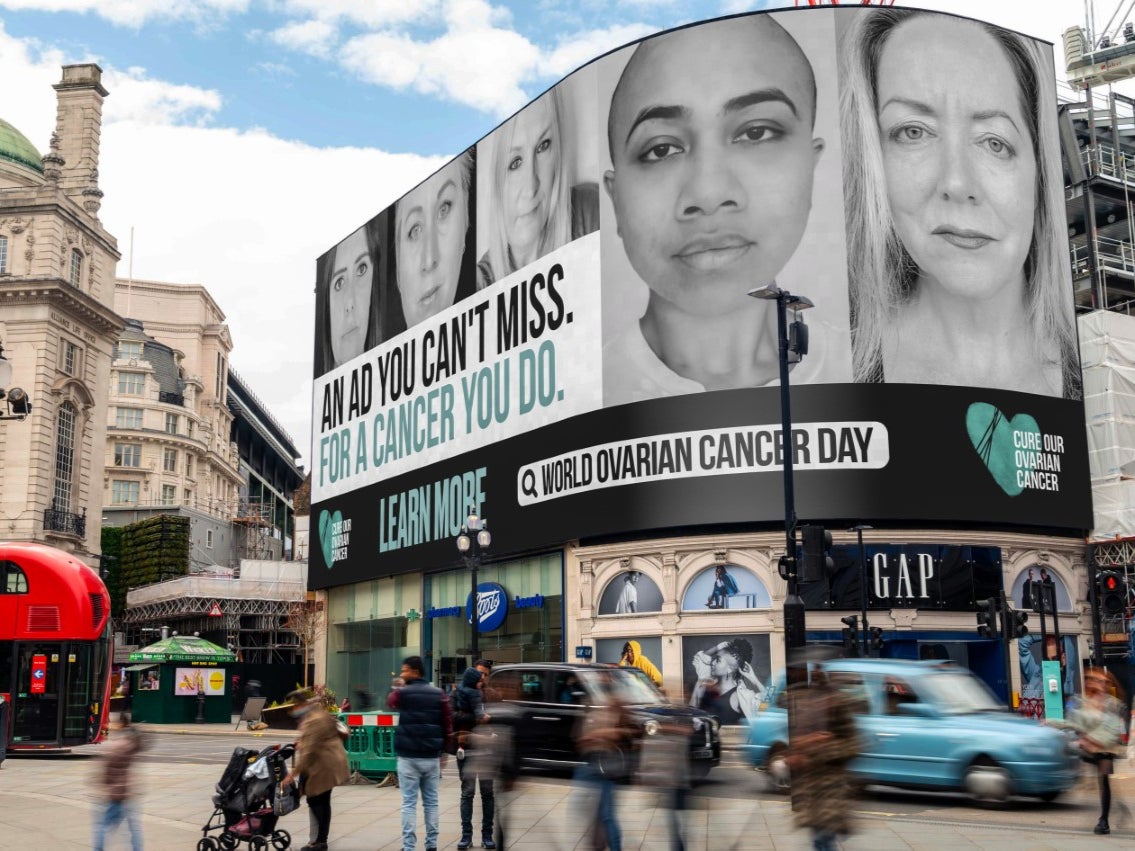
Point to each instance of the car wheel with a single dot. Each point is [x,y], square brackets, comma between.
[777,776]
[987,781]
[1049,797]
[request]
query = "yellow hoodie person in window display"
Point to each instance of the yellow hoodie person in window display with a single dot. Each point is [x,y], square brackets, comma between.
[634,658]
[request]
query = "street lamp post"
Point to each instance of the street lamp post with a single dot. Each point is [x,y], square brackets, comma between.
[858,529]
[16,405]
[473,542]
[794,628]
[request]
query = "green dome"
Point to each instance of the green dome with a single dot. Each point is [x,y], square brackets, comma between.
[15,147]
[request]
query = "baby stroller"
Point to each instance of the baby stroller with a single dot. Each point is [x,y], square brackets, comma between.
[248,801]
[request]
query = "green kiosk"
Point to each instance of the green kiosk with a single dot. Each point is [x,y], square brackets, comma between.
[181,680]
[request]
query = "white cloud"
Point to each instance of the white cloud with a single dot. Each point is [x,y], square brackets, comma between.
[368,13]
[482,67]
[134,13]
[315,37]
[245,214]
[144,101]
[583,47]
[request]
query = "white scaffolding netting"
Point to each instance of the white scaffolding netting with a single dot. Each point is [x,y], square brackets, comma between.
[1107,352]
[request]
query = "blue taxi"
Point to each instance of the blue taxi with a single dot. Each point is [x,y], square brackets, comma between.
[927,725]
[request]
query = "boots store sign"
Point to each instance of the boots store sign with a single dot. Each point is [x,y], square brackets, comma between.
[917,576]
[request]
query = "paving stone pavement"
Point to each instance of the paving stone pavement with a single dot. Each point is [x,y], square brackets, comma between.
[50,803]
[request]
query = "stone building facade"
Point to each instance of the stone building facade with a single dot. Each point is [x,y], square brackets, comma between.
[58,325]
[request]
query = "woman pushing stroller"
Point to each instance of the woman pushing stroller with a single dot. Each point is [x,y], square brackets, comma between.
[320,765]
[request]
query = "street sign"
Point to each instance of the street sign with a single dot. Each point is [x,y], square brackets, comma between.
[215,610]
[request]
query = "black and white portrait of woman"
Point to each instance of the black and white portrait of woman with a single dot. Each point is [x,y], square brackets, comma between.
[348,301]
[538,181]
[958,257]
[729,669]
[433,238]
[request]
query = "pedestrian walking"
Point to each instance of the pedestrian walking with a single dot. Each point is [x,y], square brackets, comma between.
[822,745]
[469,711]
[3,730]
[1097,718]
[425,722]
[116,773]
[320,764]
[606,740]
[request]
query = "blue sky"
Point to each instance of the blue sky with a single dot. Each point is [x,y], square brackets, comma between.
[242,138]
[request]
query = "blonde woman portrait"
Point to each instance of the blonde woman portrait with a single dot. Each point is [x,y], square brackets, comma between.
[534,204]
[432,239]
[957,252]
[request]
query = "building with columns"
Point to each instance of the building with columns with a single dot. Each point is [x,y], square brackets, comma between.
[58,325]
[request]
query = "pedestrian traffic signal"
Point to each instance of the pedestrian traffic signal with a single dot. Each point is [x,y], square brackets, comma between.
[817,560]
[850,632]
[876,639]
[1019,628]
[987,618]
[1113,593]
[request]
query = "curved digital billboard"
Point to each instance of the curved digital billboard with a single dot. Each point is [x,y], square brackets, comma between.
[555,332]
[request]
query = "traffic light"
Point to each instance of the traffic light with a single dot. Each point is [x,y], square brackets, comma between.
[817,562]
[850,633]
[1018,626]
[786,567]
[1113,593]
[876,639]
[987,618]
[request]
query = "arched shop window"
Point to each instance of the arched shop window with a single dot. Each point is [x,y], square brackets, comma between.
[1023,598]
[726,586]
[630,592]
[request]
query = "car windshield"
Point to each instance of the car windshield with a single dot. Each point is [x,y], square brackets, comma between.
[631,685]
[956,692]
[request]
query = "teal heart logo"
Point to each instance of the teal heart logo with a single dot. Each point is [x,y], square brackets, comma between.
[327,523]
[991,434]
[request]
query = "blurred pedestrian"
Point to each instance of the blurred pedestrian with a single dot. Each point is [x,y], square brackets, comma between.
[117,771]
[664,763]
[320,764]
[469,711]
[1098,719]
[605,739]
[364,698]
[3,730]
[823,741]
[425,723]
[127,700]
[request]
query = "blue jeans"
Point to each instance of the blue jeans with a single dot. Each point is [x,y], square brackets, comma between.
[415,773]
[113,813]
[604,787]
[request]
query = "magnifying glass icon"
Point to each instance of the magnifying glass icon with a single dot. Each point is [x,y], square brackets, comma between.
[528,484]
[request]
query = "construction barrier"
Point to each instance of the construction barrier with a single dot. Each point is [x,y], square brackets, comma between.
[370,745]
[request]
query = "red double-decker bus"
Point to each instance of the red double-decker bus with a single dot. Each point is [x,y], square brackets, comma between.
[55,648]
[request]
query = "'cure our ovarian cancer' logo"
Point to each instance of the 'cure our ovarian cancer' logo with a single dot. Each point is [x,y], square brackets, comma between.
[334,536]
[1015,451]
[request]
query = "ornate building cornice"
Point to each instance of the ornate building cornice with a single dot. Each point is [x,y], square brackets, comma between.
[62,296]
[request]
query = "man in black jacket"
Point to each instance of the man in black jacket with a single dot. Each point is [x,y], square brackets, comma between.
[425,723]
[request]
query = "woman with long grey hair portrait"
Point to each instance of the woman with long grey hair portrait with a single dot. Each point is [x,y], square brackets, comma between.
[957,259]
[534,205]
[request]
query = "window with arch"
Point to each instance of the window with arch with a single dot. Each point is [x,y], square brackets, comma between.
[76,267]
[1025,597]
[726,586]
[64,457]
[630,593]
